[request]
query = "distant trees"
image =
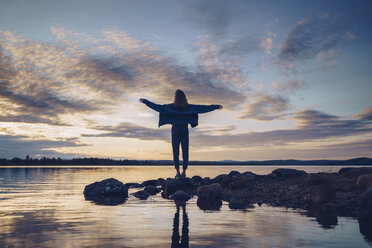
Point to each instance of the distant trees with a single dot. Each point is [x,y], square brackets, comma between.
[75,161]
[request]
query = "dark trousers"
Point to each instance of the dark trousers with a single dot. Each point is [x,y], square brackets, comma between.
[180,135]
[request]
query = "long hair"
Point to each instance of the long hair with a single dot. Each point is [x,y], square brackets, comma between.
[180,100]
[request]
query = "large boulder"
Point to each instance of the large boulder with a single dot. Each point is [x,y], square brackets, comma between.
[142,194]
[364,180]
[207,204]
[284,172]
[238,204]
[365,215]
[326,215]
[210,192]
[107,192]
[170,186]
[323,193]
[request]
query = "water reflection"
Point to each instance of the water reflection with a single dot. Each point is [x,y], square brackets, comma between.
[45,207]
[177,240]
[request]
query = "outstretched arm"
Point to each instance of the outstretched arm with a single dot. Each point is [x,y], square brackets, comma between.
[154,106]
[206,108]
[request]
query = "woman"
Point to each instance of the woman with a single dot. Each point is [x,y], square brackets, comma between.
[179,114]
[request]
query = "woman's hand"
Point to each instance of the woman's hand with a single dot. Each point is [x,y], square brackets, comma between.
[220,107]
[141,100]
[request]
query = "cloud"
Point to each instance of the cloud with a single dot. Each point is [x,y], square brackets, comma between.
[265,107]
[19,146]
[41,82]
[130,130]
[314,36]
[312,125]
[366,114]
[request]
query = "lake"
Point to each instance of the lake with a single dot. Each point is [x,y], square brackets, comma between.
[45,207]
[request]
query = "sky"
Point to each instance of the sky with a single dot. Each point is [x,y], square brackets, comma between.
[294,78]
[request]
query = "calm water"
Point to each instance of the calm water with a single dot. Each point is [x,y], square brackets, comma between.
[45,207]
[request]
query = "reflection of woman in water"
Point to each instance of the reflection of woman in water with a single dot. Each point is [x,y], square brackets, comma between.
[179,114]
[185,228]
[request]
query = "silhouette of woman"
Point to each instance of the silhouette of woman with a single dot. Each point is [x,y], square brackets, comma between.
[179,114]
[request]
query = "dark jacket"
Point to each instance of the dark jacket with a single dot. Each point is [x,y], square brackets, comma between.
[170,115]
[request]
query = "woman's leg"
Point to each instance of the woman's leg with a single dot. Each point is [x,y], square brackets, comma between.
[185,151]
[176,150]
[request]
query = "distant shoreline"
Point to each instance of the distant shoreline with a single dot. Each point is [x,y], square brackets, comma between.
[111,162]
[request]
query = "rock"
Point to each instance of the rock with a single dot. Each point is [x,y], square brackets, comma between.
[160,181]
[207,204]
[241,183]
[210,192]
[207,180]
[152,190]
[197,181]
[170,186]
[326,215]
[317,179]
[323,193]
[180,196]
[108,192]
[149,182]
[364,180]
[355,171]
[219,178]
[284,172]
[227,180]
[133,185]
[365,207]
[142,194]
[234,173]
[237,204]
[250,176]
[271,176]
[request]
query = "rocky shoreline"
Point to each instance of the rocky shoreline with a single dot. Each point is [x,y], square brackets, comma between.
[323,195]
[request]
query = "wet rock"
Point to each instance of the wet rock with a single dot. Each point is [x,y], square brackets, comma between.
[323,193]
[170,186]
[207,204]
[364,180]
[149,182]
[180,196]
[227,180]
[234,173]
[210,192]
[142,194]
[238,204]
[133,185]
[108,192]
[152,190]
[160,181]
[284,172]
